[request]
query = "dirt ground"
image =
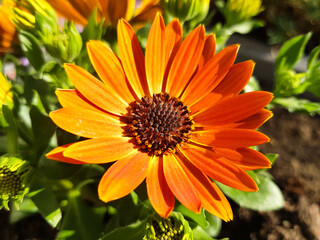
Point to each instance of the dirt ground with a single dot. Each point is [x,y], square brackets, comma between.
[296,138]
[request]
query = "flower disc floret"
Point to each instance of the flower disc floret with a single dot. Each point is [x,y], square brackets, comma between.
[159,123]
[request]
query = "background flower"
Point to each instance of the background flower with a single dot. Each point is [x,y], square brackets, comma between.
[7,29]
[112,10]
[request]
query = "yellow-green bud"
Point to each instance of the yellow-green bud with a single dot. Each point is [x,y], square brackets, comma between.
[186,10]
[241,10]
[15,175]
[173,228]
[64,44]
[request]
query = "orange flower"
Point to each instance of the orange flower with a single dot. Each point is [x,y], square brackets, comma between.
[7,29]
[173,117]
[112,10]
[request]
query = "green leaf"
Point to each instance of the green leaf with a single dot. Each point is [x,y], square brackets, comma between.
[290,83]
[129,210]
[26,209]
[57,170]
[11,130]
[298,105]
[245,27]
[272,157]
[313,57]
[81,222]
[200,234]
[214,226]
[54,72]
[268,198]
[134,231]
[31,49]
[93,30]
[43,129]
[197,218]
[291,52]
[45,200]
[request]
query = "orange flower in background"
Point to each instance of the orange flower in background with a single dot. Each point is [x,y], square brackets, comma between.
[7,29]
[173,117]
[137,12]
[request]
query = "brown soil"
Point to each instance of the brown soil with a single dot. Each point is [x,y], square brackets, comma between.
[296,138]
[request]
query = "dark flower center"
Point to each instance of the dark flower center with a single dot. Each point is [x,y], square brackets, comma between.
[167,229]
[160,123]
[10,183]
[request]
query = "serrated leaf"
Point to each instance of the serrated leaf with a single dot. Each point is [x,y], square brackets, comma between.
[291,52]
[31,49]
[268,198]
[81,222]
[134,231]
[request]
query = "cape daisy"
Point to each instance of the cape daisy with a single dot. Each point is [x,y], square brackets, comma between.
[173,117]
[7,29]
[137,12]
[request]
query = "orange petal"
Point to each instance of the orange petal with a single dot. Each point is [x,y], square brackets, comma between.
[73,98]
[233,109]
[116,9]
[236,79]
[123,177]
[209,49]
[207,190]
[57,154]
[219,169]
[66,9]
[210,76]
[233,138]
[145,13]
[160,195]
[109,69]
[180,184]
[132,58]
[173,38]
[245,158]
[100,150]
[95,91]
[256,120]
[86,123]
[155,55]
[185,62]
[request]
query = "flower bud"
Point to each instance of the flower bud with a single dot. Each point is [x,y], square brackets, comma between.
[15,175]
[241,10]
[64,44]
[186,10]
[174,227]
